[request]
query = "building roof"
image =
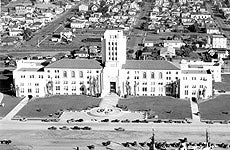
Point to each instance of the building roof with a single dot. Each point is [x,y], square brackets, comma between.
[76,64]
[195,72]
[149,65]
[31,69]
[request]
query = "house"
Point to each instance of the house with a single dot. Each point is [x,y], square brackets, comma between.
[217,41]
[79,24]
[9,41]
[83,7]
[167,51]
[212,29]
[15,32]
[148,43]
[201,16]
[94,7]
[173,43]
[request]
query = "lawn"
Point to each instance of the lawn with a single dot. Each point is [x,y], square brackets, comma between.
[164,107]
[42,107]
[9,103]
[225,84]
[216,109]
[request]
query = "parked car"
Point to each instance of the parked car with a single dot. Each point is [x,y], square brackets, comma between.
[136,121]
[52,128]
[209,122]
[143,121]
[75,128]
[105,120]
[86,128]
[23,119]
[79,120]
[119,129]
[70,120]
[64,128]
[125,121]
[115,120]
[221,91]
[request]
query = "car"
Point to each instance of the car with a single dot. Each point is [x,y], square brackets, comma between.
[70,120]
[136,121]
[221,91]
[75,128]
[45,120]
[86,128]
[209,122]
[224,122]
[115,120]
[23,119]
[143,121]
[105,120]
[79,120]
[125,121]
[119,129]
[52,128]
[64,128]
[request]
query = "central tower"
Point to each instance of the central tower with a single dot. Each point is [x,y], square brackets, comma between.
[113,57]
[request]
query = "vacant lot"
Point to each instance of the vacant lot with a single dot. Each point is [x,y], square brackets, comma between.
[9,103]
[42,107]
[216,109]
[225,84]
[164,107]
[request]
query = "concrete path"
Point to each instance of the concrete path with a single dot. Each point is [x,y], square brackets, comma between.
[1,97]
[195,112]
[16,109]
[109,100]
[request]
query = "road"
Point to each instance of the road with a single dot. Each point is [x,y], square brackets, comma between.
[36,135]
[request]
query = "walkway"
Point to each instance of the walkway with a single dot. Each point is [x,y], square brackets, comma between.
[195,112]
[1,97]
[16,109]
[109,100]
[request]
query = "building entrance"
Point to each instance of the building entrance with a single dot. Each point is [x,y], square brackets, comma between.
[113,87]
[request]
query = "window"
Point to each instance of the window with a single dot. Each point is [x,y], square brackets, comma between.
[144,75]
[22,90]
[29,84]
[29,90]
[160,75]
[65,82]
[152,89]
[36,84]
[72,74]
[66,88]
[21,84]
[186,86]
[73,82]
[64,74]
[57,82]
[23,76]
[37,90]
[48,70]
[193,92]
[80,74]
[152,75]
[40,76]
[144,89]
[73,88]
[31,76]
[57,88]
[186,92]
[201,86]
[194,86]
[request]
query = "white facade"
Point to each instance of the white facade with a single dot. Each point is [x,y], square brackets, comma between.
[195,83]
[173,43]
[217,41]
[29,78]
[214,67]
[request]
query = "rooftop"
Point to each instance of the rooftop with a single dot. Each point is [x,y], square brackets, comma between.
[195,72]
[149,65]
[76,64]
[31,69]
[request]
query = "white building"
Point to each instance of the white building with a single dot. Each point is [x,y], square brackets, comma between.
[173,43]
[29,78]
[196,83]
[217,41]
[124,77]
[213,67]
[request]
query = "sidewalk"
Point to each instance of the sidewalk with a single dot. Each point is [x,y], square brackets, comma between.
[1,97]
[16,109]
[195,112]
[109,100]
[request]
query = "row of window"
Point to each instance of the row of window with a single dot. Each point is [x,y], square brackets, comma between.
[32,76]
[194,78]
[194,86]
[29,84]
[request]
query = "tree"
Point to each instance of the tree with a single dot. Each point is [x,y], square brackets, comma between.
[27,34]
[144,26]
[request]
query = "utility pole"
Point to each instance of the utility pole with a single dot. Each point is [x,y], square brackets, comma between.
[152,143]
[207,138]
